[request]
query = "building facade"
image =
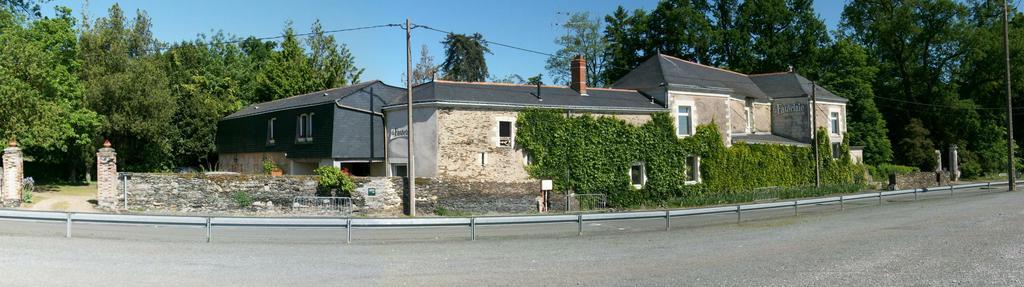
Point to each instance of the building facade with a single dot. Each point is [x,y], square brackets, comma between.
[340,127]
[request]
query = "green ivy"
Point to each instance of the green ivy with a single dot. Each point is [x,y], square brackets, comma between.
[589,154]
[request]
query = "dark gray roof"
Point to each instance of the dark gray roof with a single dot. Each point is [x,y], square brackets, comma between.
[684,75]
[792,85]
[496,94]
[388,95]
[765,139]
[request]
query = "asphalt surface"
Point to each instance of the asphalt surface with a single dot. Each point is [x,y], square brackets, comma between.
[973,238]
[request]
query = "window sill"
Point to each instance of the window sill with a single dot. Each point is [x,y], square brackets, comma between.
[691,182]
[638,186]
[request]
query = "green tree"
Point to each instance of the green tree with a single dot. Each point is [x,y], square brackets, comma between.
[126,84]
[43,105]
[289,71]
[582,37]
[464,58]
[682,28]
[783,33]
[916,147]
[845,71]
[626,43]
[332,64]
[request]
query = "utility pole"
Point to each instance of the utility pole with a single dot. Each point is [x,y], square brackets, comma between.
[1012,172]
[410,169]
[814,136]
[372,135]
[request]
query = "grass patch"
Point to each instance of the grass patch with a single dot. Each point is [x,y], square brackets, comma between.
[441,211]
[89,189]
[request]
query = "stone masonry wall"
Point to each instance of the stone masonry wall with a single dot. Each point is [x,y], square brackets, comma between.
[762,118]
[211,193]
[468,145]
[920,180]
[476,197]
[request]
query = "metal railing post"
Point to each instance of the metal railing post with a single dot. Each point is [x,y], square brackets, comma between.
[348,230]
[67,228]
[950,191]
[668,220]
[879,198]
[796,209]
[739,214]
[579,224]
[842,203]
[209,230]
[915,194]
[472,228]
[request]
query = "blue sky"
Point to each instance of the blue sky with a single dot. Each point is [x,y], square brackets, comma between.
[529,24]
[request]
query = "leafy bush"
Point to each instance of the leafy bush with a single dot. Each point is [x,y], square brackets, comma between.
[593,155]
[882,171]
[268,166]
[242,199]
[333,178]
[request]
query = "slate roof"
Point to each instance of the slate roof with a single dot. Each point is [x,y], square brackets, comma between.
[765,139]
[682,75]
[312,99]
[792,85]
[497,94]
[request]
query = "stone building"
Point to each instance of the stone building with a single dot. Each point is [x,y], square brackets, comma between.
[467,130]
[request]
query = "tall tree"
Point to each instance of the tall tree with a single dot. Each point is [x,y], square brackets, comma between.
[333,65]
[125,83]
[425,69]
[289,72]
[582,37]
[625,35]
[42,102]
[682,28]
[846,71]
[783,33]
[464,58]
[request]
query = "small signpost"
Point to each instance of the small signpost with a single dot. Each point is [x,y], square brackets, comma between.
[546,186]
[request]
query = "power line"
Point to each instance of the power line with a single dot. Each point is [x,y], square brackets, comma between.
[485,41]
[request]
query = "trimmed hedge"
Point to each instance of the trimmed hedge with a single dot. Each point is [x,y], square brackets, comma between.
[593,155]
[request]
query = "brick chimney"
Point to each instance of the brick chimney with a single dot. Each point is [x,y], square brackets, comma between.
[579,75]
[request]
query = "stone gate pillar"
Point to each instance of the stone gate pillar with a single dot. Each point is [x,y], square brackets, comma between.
[106,176]
[12,176]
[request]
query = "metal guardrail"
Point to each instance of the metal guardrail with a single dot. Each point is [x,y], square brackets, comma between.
[69,218]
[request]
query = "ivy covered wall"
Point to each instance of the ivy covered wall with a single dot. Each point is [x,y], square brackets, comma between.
[593,155]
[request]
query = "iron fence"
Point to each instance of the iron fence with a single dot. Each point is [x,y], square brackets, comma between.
[322,204]
[587,201]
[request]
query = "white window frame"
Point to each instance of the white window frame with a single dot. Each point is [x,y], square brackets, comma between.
[304,128]
[833,121]
[270,130]
[691,116]
[695,167]
[643,173]
[511,131]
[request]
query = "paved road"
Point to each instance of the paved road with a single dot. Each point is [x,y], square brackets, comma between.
[972,239]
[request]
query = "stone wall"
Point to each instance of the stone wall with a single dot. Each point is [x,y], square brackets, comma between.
[738,116]
[385,198]
[822,119]
[918,180]
[210,192]
[705,110]
[476,197]
[762,118]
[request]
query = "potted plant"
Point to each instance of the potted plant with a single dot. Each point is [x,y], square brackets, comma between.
[269,167]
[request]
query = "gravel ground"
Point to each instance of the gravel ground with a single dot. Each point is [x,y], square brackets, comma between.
[972,239]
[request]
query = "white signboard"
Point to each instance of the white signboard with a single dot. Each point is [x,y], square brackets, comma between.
[546,185]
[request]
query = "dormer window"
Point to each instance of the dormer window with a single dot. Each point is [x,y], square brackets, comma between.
[833,118]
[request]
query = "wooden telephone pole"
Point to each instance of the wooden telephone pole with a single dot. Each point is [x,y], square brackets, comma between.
[410,169]
[1012,171]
